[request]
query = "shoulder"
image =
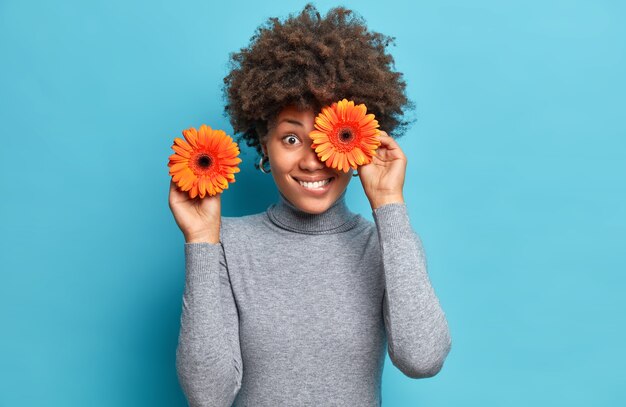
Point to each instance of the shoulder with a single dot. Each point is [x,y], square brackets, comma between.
[367,225]
[366,228]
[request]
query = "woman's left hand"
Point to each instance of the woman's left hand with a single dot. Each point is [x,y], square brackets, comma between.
[383,178]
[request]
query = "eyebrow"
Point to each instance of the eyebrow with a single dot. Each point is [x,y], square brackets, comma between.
[292,121]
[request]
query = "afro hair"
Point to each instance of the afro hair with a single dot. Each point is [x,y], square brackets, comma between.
[309,61]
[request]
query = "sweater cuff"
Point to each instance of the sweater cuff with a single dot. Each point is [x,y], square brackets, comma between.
[392,221]
[201,261]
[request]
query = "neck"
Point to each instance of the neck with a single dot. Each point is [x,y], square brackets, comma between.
[337,218]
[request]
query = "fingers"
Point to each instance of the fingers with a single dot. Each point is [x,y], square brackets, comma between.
[387,141]
[390,150]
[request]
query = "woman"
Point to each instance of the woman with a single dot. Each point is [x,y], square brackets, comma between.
[297,305]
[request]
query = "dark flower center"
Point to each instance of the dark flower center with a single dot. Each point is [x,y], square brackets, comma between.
[204,161]
[345,135]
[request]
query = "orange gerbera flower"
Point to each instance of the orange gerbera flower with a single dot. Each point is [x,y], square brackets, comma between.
[205,163]
[345,135]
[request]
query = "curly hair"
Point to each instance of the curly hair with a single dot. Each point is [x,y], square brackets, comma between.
[310,62]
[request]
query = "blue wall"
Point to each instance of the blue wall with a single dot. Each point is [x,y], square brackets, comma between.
[516,183]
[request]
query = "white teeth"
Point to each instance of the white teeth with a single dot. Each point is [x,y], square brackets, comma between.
[314,185]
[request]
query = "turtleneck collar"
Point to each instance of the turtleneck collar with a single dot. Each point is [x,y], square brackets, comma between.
[337,218]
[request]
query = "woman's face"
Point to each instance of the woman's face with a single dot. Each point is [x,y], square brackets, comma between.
[292,159]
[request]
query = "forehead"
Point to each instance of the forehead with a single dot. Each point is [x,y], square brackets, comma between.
[295,113]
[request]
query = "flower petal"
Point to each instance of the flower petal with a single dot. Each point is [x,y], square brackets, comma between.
[176,176]
[358,156]
[193,192]
[323,147]
[327,154]
[178,166]
[323,123]
[222,180]
[181,151]
[191,135]
[333,115]
[182,143]
[351,160]
[359,112]
[203,138]
[202,186]
[346,164]
[211,188]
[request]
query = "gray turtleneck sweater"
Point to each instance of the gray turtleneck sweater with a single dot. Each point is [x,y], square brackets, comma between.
[298,309]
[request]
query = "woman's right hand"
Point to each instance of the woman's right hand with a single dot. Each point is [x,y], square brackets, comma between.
[198,219]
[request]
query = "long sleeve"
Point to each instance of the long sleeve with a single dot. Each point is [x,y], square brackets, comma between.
[208,356]
[417,330]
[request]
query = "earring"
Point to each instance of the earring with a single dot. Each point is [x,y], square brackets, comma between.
[261,162]
[355,174]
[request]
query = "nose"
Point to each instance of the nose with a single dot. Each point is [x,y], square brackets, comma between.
[309,160]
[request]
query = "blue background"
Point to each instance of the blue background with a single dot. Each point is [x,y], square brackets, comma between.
[515,182]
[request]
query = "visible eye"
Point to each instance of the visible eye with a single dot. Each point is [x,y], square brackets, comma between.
[291,139]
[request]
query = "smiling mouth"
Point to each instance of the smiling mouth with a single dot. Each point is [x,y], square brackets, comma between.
[315,185]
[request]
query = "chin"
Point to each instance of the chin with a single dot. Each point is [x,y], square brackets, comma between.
[315,208]
[310,205]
